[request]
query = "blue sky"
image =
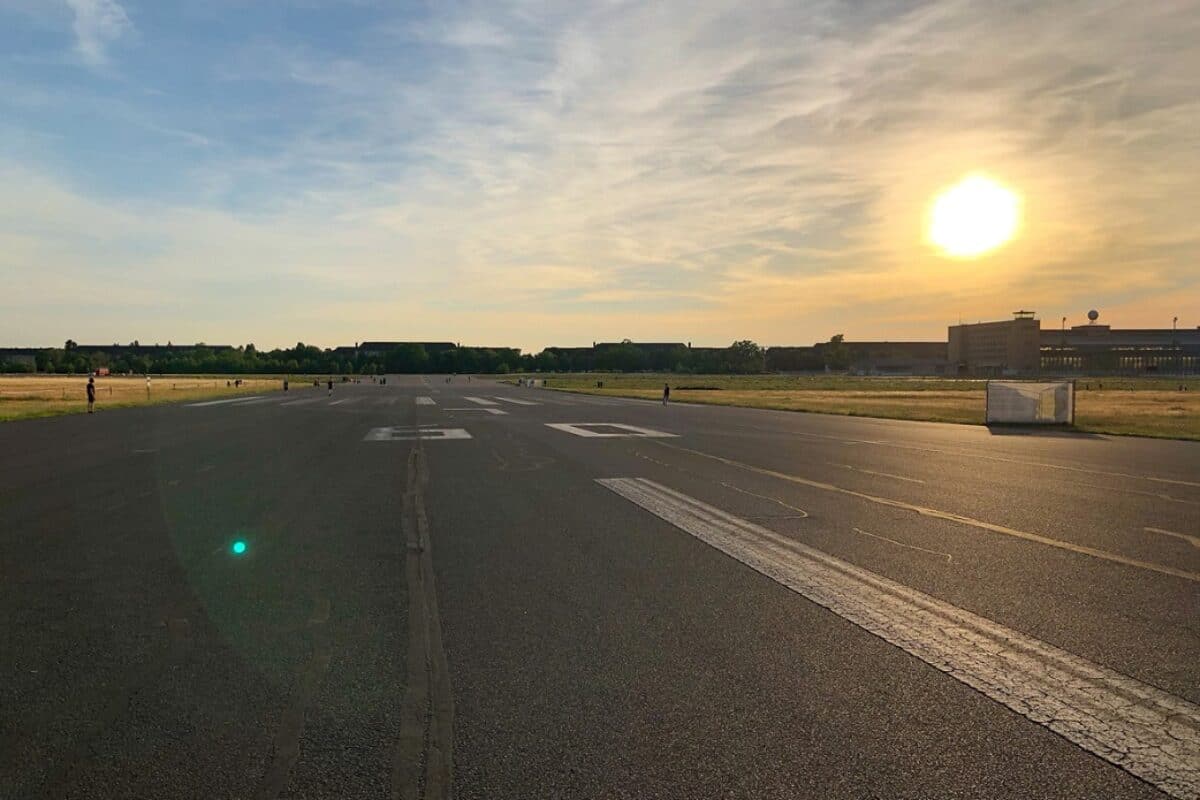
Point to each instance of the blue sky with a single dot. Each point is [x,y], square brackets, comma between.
[561,172]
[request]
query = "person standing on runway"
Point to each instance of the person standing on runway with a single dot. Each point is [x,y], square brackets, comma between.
[666,393]
[91,395]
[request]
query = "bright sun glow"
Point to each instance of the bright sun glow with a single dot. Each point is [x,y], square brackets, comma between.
[973,216]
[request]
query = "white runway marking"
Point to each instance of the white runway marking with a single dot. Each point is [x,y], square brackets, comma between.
[480,401]
[517,402]
[1151,733]
[301,402]
[339,402]
[258,401]
[622,430]
[950,516]
[402,434]
[985,456]
[1187,537]
[497,411]
[425,401]
[880,474]
[223,402]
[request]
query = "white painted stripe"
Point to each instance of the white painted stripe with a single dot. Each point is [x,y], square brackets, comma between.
[425,401]
[257,401]
[338,402]
[622,430]
[480,400]
[302,402]
[223,402]
[1151,733]
[399,434]
[517,402]
[497,411]
[1187,537]
[976,454]
[950,516]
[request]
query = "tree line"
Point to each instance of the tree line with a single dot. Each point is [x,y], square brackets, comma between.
[740,357]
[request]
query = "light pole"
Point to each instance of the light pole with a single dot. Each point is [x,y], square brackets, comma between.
[1175,344]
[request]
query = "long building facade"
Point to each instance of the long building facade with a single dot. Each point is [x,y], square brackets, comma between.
[1020,346]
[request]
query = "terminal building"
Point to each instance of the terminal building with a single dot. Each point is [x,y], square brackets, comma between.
[1020,346]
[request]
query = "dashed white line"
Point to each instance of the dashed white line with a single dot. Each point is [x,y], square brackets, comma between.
[301,402]
[1142,729]
[483,401]
[426,401]
[496,411]
[515,401]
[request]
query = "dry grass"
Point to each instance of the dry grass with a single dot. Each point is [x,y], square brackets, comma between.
[25,396]
[1131,406]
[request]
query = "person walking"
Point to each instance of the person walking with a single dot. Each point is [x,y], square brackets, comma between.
[91,395]
[330,384]
[666,393]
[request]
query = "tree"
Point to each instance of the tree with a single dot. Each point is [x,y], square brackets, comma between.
[746,356]
[837,355]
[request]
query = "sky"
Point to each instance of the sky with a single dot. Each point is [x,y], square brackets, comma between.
[555,173]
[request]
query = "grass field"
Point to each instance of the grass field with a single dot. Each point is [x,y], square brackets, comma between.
[1131,406]
[24,396]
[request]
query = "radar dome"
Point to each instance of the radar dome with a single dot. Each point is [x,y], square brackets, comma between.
[1093,315]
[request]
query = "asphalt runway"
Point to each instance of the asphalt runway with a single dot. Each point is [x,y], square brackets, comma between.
[480,590]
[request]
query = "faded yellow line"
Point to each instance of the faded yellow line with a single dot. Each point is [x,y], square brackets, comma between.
[949,516]
[874,472]
[985,456]
[949,558]
[1195,540]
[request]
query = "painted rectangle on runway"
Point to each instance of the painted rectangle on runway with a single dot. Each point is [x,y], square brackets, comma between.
[425,401]
[515,401]
[224,402]
[1151,733]
[496,411]
[609,430]
[302,402]
[405,434]
[483,401]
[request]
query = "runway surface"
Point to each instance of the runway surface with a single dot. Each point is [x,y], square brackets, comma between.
[478,590]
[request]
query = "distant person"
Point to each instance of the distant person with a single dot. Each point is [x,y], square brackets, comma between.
[330,387]
[91,395]
[285,384]
[666,393]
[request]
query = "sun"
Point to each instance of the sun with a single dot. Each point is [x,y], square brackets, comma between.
[973,217]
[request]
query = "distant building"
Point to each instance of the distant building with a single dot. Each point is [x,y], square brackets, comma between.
[24,356]
[1010,347]
[1098,349]
[382,348]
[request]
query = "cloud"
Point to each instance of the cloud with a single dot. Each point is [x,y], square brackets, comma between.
[686,169]
[98,23]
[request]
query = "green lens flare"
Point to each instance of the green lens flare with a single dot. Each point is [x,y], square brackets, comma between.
[239,547]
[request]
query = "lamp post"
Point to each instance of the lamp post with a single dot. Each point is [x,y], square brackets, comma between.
[1175,344]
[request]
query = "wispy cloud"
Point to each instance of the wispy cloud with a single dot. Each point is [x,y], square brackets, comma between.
[684,169]
[98,23]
